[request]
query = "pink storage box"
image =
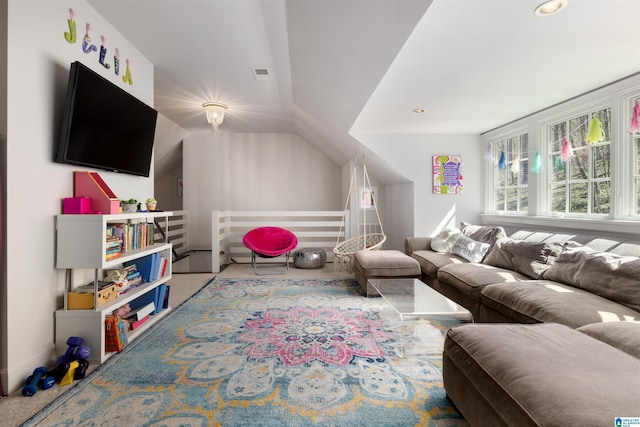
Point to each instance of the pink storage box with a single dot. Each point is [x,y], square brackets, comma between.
[77,205]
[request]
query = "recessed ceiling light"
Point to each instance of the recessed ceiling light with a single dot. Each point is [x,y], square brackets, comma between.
[550,7]
[418,110]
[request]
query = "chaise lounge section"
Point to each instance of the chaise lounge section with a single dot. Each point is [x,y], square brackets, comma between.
[557,334]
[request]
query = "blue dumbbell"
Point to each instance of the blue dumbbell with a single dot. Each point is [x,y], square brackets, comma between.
[31,383]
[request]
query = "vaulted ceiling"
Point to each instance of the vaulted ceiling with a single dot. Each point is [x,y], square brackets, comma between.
[337,68]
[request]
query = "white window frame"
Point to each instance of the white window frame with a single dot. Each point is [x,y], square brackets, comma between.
[620,96]
[497,146]
[588,111]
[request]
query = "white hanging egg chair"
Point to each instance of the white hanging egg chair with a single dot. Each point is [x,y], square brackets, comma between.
[344,251]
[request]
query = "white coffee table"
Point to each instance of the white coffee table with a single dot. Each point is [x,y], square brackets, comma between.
[416,312]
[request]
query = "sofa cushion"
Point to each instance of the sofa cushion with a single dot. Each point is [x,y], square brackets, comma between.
[482,233]
[430,262]
[538,375]
[611,276]
[470,249]
[470,278]
[529,258]
[545,301]
[622,335]
[386,263]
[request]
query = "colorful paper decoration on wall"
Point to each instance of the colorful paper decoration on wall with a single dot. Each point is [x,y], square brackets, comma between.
[634,126]
[488,154]
[595,133]
[515,165]
[502,162]
[566,152]
[447,174]
[536,165]
[88,48]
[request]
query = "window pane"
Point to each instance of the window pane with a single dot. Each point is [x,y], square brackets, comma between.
[601,193]
[580,164]
[578,129]
[558,198]
[637,195]
[524,199]
[500,200]
[557,132]
[508,185]
[512,199]
[578,202]
[524,146]
[601,161]
[638,156]
[557,172]
[500,174]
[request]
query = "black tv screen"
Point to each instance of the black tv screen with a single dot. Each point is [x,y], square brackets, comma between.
[105,127]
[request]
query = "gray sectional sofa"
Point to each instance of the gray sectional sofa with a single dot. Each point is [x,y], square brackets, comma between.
[557,324]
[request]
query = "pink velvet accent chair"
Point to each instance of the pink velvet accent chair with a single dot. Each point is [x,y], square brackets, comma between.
[270,242]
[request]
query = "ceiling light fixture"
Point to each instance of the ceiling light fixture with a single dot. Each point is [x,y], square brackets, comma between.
[550,7]
[418,110]
[215,114]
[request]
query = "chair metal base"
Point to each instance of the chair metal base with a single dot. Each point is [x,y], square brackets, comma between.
[256,267]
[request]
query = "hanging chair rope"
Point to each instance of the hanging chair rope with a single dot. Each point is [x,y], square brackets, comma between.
[365,241]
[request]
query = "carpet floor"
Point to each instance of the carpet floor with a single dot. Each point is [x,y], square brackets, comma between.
[262,352]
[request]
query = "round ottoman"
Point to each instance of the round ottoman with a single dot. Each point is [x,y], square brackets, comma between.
[309,258]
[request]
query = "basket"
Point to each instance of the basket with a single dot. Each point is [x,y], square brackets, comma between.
[344,251]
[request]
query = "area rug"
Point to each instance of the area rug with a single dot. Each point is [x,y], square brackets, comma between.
[262,352]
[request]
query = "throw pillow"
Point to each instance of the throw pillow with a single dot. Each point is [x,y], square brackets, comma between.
[482,233]
[529,258]
[443,241]
[610,276]
[470,249]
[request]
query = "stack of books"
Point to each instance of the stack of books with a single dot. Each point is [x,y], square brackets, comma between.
[139,316]
[114,248]
[133,275]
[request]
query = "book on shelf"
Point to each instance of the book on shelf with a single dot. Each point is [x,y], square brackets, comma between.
[140,313]
[135,324]
[165,302]
[160,293]
[131,235]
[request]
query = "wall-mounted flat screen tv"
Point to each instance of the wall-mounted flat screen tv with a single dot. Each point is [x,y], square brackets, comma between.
[105,127]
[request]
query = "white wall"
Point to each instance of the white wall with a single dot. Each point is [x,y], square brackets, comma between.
[168,162]
[38,59]
[247,171]
[412,154]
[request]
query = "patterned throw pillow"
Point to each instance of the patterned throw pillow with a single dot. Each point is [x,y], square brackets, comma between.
[443,241]
[470,249]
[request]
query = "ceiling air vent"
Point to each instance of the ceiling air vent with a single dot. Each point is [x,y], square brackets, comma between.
[261,73]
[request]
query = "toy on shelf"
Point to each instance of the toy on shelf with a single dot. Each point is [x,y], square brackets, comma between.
[40,377]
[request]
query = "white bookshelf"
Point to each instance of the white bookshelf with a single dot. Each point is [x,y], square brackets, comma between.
[81,244]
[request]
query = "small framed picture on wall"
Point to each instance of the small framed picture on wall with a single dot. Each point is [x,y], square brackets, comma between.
[367,197]
[447,174]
